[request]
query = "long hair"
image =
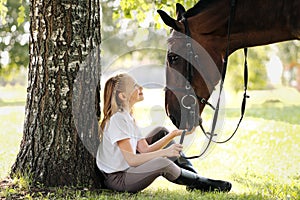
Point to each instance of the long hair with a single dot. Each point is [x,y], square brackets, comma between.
[112,102]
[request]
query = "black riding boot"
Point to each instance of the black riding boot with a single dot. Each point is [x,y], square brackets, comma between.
[194,181]
[185,164]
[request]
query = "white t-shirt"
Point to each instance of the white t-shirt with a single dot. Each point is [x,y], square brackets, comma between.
[109,156]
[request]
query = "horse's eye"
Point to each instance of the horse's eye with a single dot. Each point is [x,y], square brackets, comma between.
[173,58]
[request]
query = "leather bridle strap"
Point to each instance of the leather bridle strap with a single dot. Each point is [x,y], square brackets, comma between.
[211,134]
[243,105]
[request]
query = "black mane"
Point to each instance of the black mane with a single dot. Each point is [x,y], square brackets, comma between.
[198,7]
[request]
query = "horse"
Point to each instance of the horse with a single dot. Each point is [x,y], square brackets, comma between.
[204,36]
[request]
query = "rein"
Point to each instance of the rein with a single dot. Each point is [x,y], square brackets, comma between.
[189,78]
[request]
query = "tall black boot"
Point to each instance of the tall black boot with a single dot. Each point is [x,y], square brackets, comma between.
[194,181]
[185,164]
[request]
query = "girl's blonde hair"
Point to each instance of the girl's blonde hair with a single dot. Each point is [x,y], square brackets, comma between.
[112,102]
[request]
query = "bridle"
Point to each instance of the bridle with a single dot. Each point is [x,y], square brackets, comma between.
[190,108]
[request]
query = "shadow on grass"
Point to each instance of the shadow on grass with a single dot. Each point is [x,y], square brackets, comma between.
[13,103]
[14,190]
[77,193]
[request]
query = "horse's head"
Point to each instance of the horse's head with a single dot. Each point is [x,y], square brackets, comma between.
[191,73]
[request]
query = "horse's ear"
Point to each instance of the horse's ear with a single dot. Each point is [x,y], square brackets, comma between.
[180,10]
[169,21]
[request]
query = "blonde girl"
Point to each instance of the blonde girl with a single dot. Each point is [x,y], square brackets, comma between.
[130,162]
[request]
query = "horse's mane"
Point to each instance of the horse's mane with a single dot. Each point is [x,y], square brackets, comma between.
[198,7]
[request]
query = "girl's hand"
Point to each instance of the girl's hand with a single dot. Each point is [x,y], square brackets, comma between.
[179,132]
[173,150]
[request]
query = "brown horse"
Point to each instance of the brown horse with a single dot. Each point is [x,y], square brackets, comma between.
[252,23]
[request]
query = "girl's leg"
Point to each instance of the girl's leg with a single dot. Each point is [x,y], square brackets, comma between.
[138,178]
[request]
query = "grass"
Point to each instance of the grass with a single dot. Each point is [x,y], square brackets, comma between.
[262,160]
[12,101]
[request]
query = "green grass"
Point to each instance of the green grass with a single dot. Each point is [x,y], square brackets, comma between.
[12,101]
[262,160]
[11,124]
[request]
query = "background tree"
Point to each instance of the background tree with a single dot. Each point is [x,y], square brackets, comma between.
[289,53]
[119,17]
[132,13]
[63,75]
[14,35]
[257,58]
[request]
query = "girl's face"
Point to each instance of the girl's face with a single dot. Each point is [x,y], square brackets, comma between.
[136,94]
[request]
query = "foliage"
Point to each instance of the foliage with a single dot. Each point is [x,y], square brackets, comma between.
[121,16]
[14,36]
[140,10]
[143,13]
[257,57]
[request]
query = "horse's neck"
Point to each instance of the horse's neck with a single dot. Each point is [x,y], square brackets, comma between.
[264,22]
[256,22]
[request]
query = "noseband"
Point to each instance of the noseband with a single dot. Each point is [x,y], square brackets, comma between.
[189,93]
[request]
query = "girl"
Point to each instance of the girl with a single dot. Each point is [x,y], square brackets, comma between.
[130,162]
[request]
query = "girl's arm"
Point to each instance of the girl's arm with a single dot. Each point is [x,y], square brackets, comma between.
[144,147]
[134,160]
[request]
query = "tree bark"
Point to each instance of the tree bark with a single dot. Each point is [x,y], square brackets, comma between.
[62,109]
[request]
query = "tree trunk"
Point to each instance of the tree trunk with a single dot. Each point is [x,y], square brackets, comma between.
[60,130]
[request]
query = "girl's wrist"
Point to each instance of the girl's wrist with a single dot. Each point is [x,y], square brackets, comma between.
[175,133]
[163,153]
[172,134]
